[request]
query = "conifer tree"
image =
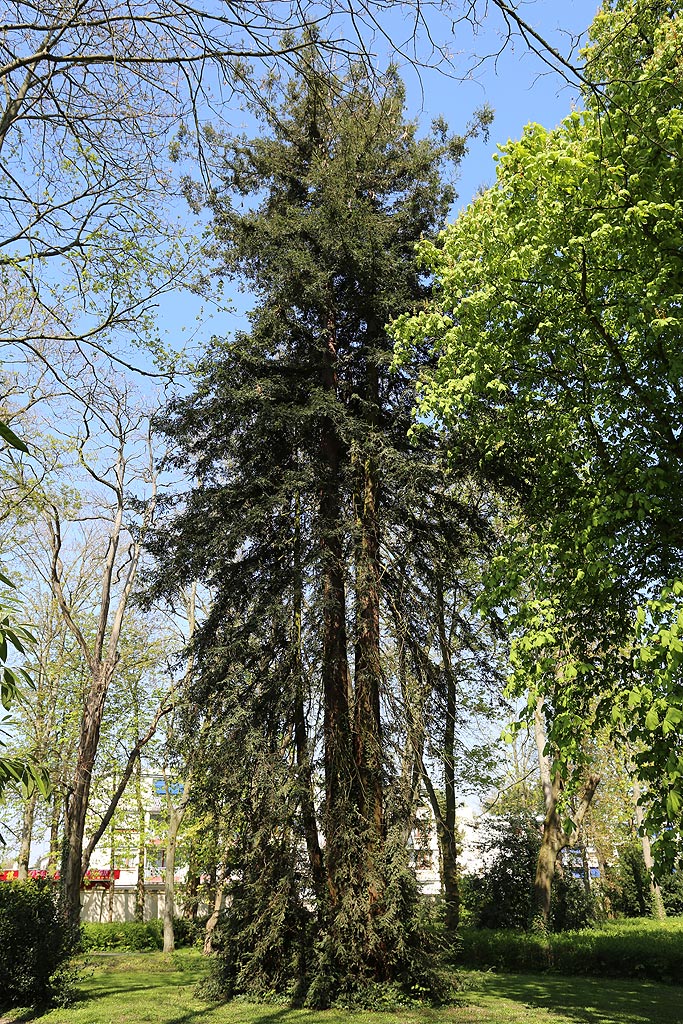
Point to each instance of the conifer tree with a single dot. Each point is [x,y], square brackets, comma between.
[298,435]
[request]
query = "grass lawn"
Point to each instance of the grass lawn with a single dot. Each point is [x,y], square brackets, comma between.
[149,988]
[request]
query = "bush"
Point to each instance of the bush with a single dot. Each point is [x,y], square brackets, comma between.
[36,946]
[630,894]
[501,896]
[625,949]
[572,907]
[672,892]
[139,935]
[133,935]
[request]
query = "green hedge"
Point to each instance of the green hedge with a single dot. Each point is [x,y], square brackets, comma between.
[138,935]
[35,946]
[629,949]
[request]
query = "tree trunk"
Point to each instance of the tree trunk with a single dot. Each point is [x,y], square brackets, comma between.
[142,845]
[112,869]
[586,869]
[553,842]
[175,818]
[555,839]
[214,918]
[55,846]
[335,671]
[79,794]
[26,837]
[367,723]
[191,896]
[303,758]
[449,856]
[658,909]
[368,671]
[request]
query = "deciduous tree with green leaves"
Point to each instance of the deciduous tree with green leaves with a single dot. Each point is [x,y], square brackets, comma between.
[556,328]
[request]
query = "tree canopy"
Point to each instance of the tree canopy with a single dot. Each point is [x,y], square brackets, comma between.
[557,325]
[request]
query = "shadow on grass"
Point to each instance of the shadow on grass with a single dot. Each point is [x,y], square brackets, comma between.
[592,1000]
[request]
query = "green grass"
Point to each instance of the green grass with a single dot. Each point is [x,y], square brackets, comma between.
[149,988]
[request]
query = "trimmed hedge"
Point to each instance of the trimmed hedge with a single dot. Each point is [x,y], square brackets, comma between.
[139,936]
[36,946]
[626,949]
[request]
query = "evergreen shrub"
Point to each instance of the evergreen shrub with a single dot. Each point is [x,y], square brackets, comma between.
[36,946]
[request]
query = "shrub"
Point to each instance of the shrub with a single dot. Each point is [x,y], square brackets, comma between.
[133,935]
[626,949]
[630,885]
[139,935]
[672,892]
[501,896]
[36,946]
[572,906]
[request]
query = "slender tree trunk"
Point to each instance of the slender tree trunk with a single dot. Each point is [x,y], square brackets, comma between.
[412,759]
[606,901]
[55,845]
[142,845]
[303,757]
[214,918]
[78,796]
[367,723]
[26,836]
[449,855]
[586,869]
[175,819]
[658,909]
[112,869]
[191,897]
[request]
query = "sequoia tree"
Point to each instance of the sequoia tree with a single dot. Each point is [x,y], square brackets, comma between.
[297,437]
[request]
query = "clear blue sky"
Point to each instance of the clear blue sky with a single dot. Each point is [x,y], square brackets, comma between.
[518,86]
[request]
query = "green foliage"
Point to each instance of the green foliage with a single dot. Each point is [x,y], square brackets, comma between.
[556,335]
[15,637]
[501,896]
[629,884]
[296,436]
[630,892]
[573,907]
[36,946]
[626,949]
[139,935]
[404,953]
[134,935]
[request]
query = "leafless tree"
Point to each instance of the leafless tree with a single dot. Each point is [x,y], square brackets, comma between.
[101,496]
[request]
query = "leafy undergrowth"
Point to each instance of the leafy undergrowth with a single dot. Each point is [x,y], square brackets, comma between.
[150,988]
[138,936]
[638,948]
